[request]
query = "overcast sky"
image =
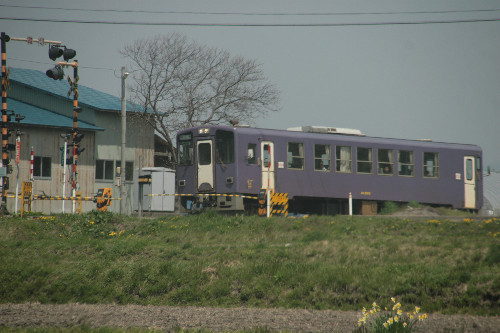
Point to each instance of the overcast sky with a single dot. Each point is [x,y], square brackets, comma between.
[354,66]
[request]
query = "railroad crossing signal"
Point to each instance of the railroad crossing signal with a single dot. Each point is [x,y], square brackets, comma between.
[56,73]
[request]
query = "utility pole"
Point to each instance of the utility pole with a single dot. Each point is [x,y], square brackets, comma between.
[123,190]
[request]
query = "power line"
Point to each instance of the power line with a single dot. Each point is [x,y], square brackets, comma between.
[47,63]
[255,24]
[253,13]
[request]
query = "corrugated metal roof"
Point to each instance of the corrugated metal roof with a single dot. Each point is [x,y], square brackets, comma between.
[91,97]
[41,117]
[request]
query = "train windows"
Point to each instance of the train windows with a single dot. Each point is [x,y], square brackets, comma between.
[343,159]
[252,153]
[431,165]
[385,159]
[266,156]
[224,146]
[365,160]
[322,160]
[469,169]
[185,149]
[295,155]
[204,153]
[406,163]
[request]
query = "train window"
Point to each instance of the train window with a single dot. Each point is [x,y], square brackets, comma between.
[252,153]
[295,155]
[343,159]
[406,163]
[365,160]
[469,169]
[185,149]
[431,165]
[385,159]
[267,156]
[322,158]
[204,153]
[224,146]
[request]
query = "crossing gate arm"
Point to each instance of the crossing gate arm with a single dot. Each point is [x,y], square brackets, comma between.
[204,195]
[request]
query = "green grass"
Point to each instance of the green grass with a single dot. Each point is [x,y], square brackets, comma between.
[340,263]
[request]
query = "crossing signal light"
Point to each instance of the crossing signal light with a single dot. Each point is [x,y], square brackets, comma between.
[55,52]
[56,73]
[78,137]
[68,54]
[79,150]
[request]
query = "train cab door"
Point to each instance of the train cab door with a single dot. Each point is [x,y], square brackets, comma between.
[469,182]
[267,158]
[205,165]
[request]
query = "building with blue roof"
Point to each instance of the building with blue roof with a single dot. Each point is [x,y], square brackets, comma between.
[47,108]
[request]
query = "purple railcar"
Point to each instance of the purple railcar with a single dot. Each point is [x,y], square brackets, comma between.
[318,167]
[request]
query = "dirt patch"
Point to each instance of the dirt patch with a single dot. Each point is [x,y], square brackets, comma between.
[168,318]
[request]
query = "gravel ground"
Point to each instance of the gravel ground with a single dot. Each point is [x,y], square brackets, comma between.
[168,318]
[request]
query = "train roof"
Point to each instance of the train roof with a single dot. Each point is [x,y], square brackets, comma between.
[352,136]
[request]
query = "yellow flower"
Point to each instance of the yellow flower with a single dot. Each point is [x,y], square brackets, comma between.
[390,320]
[393,300]
[399,312]
[396,319]
[417,309]
[405,324]
[386,325]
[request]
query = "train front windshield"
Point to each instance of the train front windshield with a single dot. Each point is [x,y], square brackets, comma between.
[185,149]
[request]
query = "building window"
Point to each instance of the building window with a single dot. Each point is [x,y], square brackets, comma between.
[129,169]
[295,155]
[104,170]
[364,160]
[406,163]
[431,165]
[385,159]
[343,159]
[252,153]
[42,166]
[322,160]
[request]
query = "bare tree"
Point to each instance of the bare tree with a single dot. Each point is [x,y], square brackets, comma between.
[180,83]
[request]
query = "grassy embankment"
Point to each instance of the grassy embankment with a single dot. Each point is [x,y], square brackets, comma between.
[210,260]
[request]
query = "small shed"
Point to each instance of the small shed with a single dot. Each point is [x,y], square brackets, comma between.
[156,195]
[491,194]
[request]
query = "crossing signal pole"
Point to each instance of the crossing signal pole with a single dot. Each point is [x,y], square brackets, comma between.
[4,180]
[6,117]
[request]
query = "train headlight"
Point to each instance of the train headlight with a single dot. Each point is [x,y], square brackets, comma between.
[203,131]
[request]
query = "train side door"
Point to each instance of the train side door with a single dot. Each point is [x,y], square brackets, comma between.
[267,158]
[469,182]
[205,165]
